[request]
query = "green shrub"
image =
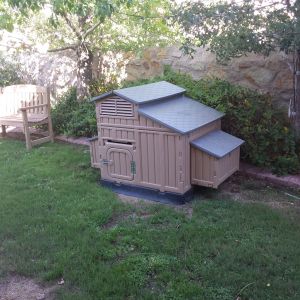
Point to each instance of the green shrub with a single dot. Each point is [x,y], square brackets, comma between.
[9,72]
[100,86]
[286,165]
[74,118]
[249,115]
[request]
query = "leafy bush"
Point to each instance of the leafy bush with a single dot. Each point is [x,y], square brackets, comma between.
[249,115]
[74,118]
[9,72]
[286,165]
[100,86]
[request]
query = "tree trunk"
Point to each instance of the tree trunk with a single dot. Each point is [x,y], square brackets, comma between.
[297,94]
[84,74]
[296,11]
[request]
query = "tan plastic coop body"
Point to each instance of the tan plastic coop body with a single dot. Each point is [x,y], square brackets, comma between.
[153,136]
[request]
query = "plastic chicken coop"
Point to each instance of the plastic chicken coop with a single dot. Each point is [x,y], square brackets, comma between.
[154,138]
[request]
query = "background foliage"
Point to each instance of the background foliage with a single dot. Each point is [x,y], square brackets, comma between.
[235,28]
[9,72]
[74,118]
[249,115]
[90,28]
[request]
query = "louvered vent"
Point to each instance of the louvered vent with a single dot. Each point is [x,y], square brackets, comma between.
[115,106]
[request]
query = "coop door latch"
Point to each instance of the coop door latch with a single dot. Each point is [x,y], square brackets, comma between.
[133,167]
[106,162]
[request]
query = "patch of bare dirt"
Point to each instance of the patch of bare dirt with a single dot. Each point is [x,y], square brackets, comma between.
[115,220]
[186,209]
[129,199]
[17,133]
[135,200]
[244,189]
[22,288]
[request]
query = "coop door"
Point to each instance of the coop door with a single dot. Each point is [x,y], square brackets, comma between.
[119,162]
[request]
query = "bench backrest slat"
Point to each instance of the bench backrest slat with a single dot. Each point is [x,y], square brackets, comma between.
[14,97]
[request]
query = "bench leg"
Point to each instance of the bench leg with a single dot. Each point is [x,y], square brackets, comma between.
[26,130]
[3,127]
[50,129]
[27,137]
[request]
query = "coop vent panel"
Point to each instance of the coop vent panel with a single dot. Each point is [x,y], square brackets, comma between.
[115,106]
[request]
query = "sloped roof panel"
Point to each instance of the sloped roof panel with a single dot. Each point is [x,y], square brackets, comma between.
[102,96]
[149,92]
[217,143]
[180,113]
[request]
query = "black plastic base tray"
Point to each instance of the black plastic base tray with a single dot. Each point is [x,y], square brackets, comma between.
[148,193]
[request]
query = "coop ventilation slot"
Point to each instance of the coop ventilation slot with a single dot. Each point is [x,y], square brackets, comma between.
[119,142]
[116,106]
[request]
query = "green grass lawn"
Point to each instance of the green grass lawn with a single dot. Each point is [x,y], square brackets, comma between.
[56,222]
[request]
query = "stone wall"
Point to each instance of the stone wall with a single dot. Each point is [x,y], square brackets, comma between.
[55,70]
[58,70]
[266,74]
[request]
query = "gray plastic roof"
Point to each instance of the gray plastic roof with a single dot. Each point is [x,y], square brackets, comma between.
[217,143]
[180,113]
[145,93]
[149,92]
[102,96]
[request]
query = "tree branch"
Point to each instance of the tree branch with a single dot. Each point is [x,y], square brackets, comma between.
[147,17]
[286,59]
[71,25]
[68,47]
[90,30]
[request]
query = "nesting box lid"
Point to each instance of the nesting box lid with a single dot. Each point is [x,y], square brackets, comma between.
[180,113]
[217,143]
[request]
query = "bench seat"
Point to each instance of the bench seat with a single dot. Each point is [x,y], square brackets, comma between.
[26,106]
[17,119]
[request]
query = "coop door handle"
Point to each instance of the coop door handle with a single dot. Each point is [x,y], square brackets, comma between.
[132,167]
[106,162]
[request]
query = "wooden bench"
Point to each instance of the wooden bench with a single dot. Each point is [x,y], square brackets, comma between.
[26,106]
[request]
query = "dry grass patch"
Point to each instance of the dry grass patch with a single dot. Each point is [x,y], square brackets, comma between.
[22,288]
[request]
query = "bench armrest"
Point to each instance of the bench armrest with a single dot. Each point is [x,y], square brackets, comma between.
[33,106]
